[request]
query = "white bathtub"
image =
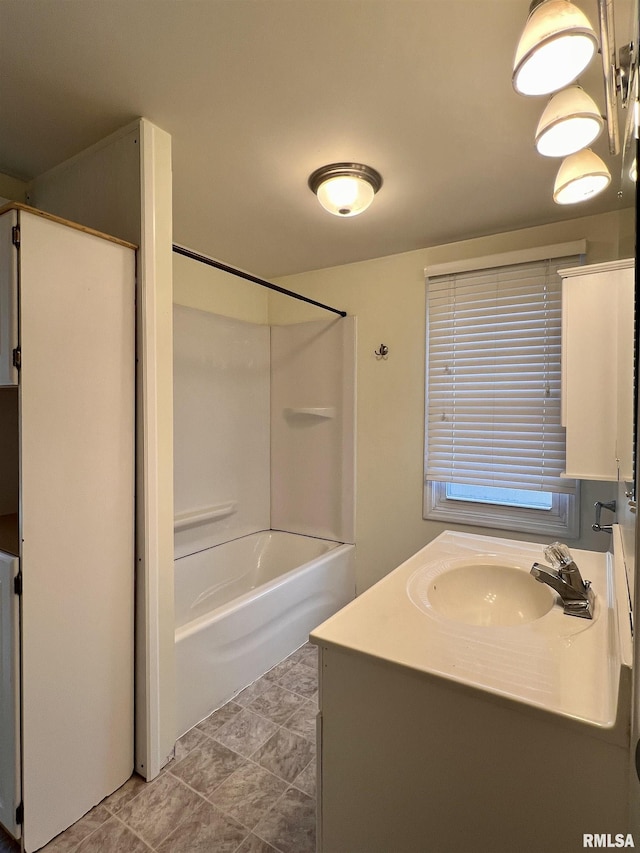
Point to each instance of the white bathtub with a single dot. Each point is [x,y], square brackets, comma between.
[245,605]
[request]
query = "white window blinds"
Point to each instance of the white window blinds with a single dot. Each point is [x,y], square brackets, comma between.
[493,377]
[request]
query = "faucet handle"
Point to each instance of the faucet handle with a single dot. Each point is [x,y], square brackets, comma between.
[558,555]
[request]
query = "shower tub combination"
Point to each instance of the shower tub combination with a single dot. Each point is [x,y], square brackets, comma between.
[244,605]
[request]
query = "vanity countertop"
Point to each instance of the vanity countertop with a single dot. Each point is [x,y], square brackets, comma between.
[578,668]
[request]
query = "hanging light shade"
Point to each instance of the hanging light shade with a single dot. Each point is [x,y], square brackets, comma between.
[571,121]
[345,189]
[581,176]
[557,44]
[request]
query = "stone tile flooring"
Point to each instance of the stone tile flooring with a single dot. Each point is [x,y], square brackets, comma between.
[242,781]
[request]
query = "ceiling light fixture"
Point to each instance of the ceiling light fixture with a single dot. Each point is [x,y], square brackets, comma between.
[570,121]
[345,189]
[581,176]
[557,44]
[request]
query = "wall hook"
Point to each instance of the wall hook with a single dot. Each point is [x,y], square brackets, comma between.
[383,352]
[603,528]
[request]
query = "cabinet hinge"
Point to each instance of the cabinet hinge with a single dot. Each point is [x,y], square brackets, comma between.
[17,584]
[17,358]
[20,814]
[15,236]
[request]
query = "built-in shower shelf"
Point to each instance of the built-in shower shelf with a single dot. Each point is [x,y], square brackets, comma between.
[194,517]
[311,411]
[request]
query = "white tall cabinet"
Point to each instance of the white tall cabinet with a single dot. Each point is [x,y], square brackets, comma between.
[67,400]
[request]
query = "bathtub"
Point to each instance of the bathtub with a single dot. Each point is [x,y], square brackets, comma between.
[245,605]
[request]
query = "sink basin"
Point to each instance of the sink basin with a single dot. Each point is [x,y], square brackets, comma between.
[486,594]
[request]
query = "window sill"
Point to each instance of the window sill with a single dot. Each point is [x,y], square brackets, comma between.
[562,520]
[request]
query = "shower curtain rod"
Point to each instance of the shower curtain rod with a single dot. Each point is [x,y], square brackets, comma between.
[203,259]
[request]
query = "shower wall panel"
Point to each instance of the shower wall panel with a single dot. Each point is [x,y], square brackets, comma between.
[221,429]
[313,428]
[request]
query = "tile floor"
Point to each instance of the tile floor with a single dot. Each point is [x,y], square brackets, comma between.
[242,781]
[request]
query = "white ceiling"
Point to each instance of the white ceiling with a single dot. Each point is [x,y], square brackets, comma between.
[256,94]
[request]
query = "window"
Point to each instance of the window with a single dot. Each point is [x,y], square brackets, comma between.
[494,443]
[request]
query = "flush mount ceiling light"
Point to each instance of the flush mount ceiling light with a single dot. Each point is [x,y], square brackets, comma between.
[345,189]
[570,121]
[557,44]
[581,176]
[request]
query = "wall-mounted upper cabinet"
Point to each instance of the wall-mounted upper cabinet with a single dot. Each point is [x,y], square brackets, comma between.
[597,370]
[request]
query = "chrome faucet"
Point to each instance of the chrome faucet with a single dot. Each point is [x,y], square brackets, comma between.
[578,598]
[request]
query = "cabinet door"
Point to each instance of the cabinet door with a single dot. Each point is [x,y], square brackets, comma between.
[8,299]
[9,696]
[624,341]
[77,463]
[597,371]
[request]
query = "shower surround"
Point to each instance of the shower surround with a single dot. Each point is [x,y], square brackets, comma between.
[264,461]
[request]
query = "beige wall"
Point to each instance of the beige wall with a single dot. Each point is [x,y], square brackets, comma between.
[388,297]
[12,188]
[197,285]
[122,185]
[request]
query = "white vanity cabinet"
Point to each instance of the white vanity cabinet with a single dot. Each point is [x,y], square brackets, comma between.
[67,401]
[451,731]
[597,370]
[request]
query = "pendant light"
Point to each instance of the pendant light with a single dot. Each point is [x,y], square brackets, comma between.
[557,44]
[345,189]
[570,121]
[581,176]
